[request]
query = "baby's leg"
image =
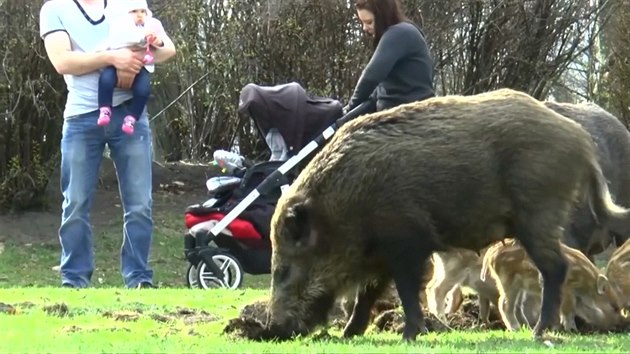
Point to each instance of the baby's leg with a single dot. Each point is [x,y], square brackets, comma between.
[106,83]
[141,89]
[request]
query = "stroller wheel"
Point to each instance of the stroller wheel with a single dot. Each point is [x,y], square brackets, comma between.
[230,267]
[192,276]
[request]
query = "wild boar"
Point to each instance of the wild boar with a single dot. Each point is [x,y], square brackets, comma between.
[612,142]
[453,269]
[586,292]
[618,273]
[392,187]
[516,279]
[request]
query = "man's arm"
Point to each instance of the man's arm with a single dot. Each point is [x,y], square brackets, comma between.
[66,61]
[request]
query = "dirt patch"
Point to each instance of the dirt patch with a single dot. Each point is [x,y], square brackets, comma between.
[59,309]
[8,309]
[387,316]
[256,310]
[188,316]
[245,327]
[75,329]
[123,316]
[465,319]
[191,316]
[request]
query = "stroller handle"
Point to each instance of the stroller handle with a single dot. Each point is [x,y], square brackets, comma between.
[365,107]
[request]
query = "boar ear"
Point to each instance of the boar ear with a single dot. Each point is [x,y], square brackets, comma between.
[299,222]
[602,284]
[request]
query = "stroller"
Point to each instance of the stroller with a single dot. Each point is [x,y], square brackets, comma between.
[219,251]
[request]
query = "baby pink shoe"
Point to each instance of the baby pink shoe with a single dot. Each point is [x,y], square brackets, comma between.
[128,123]
[104,117]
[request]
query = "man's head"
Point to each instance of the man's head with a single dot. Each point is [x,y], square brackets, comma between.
[377,15]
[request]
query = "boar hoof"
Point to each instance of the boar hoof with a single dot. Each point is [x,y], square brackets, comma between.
[538,333]
[409,337]
[351,331]
[410,334]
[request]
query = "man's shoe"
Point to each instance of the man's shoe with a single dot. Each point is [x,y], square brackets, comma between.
[146,285]
[68,285]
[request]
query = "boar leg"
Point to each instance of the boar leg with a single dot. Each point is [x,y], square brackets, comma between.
[507,306]
[484,309]
[438,290]
[567,313]
[455,300]
[529,306]
[406,269]
[540,236]
[365,299]
[519,311]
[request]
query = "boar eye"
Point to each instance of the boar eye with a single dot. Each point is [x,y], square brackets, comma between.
[281,274]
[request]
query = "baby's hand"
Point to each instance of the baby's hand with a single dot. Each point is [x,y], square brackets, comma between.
[152,39]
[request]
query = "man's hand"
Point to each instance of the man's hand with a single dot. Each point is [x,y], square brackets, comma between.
[127,60]
[128,63]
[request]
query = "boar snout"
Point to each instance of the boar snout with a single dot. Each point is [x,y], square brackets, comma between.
[286,321]
[282,332]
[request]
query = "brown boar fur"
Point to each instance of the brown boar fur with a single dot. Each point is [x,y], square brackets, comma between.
[586,291]
[391,188]
[618,273]
[453,269]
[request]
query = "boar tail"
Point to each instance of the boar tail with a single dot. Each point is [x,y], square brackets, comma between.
[603,208]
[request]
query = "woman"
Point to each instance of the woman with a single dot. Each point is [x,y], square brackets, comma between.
[401,68]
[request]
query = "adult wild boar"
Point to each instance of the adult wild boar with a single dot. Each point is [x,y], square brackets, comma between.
[612,142]
[392,187]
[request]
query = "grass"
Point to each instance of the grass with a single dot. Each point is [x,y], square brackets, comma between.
[109,318]
[32,264]
[121,320]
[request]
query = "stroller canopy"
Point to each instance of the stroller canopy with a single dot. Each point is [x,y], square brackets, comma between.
[298,116]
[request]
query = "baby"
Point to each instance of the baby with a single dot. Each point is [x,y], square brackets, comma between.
[131,24]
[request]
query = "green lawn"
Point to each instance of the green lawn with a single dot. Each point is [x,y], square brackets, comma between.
[38,316]
[32,264]
[182,320]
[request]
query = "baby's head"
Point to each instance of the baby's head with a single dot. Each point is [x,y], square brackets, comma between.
[139,11]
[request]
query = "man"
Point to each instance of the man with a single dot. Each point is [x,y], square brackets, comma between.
[72,30]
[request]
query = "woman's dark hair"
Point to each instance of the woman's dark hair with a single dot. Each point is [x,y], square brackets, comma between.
[386,13]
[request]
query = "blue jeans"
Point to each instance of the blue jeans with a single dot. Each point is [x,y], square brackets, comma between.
[82,145]
[140,89]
